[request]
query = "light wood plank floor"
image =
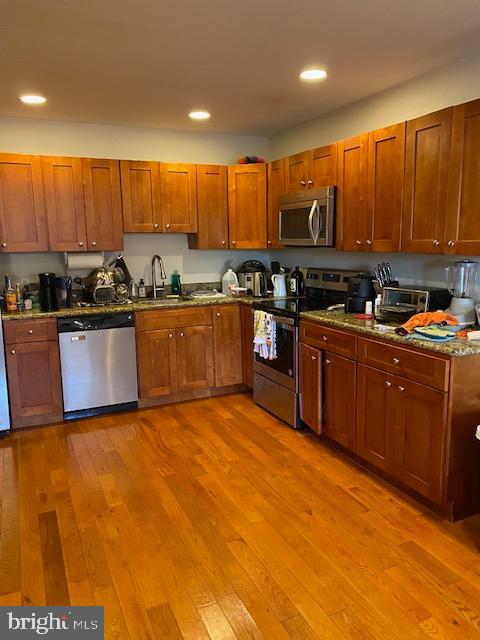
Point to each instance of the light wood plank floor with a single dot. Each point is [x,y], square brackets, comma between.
[212,519]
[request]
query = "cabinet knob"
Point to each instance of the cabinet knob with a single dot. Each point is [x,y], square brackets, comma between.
[388,383]
[400,388]
[155,226]
[80,244]
[369,242]
[94,244]
[324,338]
[269,242]
[451,243]
[309,181]
[314,357]
[327,361]
[13,352]
[182,334]
[396,361]
[170,335]
[4,244]
[436,243]
[234,242]
[304,182]
[30,332]
[218,314]
[359,242]
[224,242]
[167,226]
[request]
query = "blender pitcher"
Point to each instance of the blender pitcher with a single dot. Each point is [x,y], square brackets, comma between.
[461,278]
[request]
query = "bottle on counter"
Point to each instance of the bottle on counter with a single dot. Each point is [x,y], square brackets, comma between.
[19,297]
[142,290]
[229,280]
[296,282]
[176,284]
[133,290]
[10,296]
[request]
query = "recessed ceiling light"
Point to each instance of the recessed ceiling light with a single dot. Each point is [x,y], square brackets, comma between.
[33,99]
[313,74]
[199,115]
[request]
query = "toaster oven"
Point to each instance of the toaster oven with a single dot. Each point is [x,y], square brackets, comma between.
[401,303]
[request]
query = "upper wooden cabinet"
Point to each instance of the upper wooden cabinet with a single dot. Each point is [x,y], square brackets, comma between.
[426,173]
[463,220]
[352,193]
[103,204]
[247,206]
[276,187]
[311,169]
[23,225]
[63,187]
[386,161]
[141,196]
[212,204]
[178,197]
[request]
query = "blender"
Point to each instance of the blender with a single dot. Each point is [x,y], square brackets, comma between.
[461,278]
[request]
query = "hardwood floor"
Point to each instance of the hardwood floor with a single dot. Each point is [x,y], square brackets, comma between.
[213,520]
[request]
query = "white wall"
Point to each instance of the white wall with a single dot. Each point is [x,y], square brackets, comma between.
[452,84]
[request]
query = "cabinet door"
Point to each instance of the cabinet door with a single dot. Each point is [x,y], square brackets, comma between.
[195,358]
[247,206]
[227,335]
[247,345]
[386,162]
[34,383]
[141,196]
[63,188]
[427,158]
[296,172]
[157,363]
[310,367]
[352,193]
[322,166]
[212,232]
[178,192]
[276,188]
[23,225]
[421,416]
[463,222]
[339,403]
[103,204]
[375,428]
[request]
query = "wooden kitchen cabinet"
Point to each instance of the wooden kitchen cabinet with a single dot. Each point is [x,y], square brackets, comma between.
[23,225]
[33,373]
[247,206]
[340,392]
[246,314]
[157,363]
[386,162]
[141,196]
[103,204]
[463,220]
[296,172]
[375,435]
[310,384]
[212,203]
[311,169]
[352,193]
[195,358]
[276,188]
[427,159]
[227,340]
[178,197]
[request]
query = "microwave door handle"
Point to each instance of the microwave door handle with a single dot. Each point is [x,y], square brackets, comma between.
[320,222]
[310,222]
[314,213]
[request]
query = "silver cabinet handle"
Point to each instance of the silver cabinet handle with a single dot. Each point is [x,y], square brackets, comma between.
[327,361]
[218,314]
[13,352]
[167,226]
[4,244]
[233,242]
[451,243]
[269,242]
[309,181]
[182,334]
[304,182]
[94,244]
[324,338]
[224,242]
[388,383]
[369,242]
[155,226]
[80,244]
[170,335]
[396,361]
[314,357]
[400,388]
[30,331]
[359,242]
[436,243]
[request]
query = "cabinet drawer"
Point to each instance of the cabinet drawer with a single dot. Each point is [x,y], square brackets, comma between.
[172,318]
[18,331]
[333,340]
[418,367]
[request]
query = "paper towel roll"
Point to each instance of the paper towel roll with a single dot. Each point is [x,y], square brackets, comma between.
[83,261]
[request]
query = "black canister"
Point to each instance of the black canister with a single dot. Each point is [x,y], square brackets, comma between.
[48,292]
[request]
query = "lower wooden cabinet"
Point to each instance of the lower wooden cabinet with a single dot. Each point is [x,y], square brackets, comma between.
[339,400]
[247,345]
[310,367]
[195,358]
[227,338]
[34,383]
[157,363]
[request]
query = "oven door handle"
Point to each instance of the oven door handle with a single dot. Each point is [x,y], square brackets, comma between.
[311,215]
[284,320]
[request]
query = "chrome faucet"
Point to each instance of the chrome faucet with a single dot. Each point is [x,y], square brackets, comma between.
[155,287]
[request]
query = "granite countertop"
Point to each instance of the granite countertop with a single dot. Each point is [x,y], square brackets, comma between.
[456,347]
[118,308]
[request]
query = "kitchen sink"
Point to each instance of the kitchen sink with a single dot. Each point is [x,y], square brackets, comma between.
[161,300]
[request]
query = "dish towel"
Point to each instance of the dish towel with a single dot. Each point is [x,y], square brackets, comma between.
[426,319]
[265,335]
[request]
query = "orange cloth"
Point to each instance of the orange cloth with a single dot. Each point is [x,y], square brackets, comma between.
[426,319]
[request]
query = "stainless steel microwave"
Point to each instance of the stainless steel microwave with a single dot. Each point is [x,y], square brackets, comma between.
[307,218]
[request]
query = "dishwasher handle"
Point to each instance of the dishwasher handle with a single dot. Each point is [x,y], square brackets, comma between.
[96,322]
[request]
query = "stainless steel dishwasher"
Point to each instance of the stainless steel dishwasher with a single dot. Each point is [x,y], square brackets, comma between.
[99,364]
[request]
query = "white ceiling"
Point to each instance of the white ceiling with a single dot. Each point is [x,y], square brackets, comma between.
[149,62]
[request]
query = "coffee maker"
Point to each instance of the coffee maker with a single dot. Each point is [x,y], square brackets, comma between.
[48,292]
[360,290]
